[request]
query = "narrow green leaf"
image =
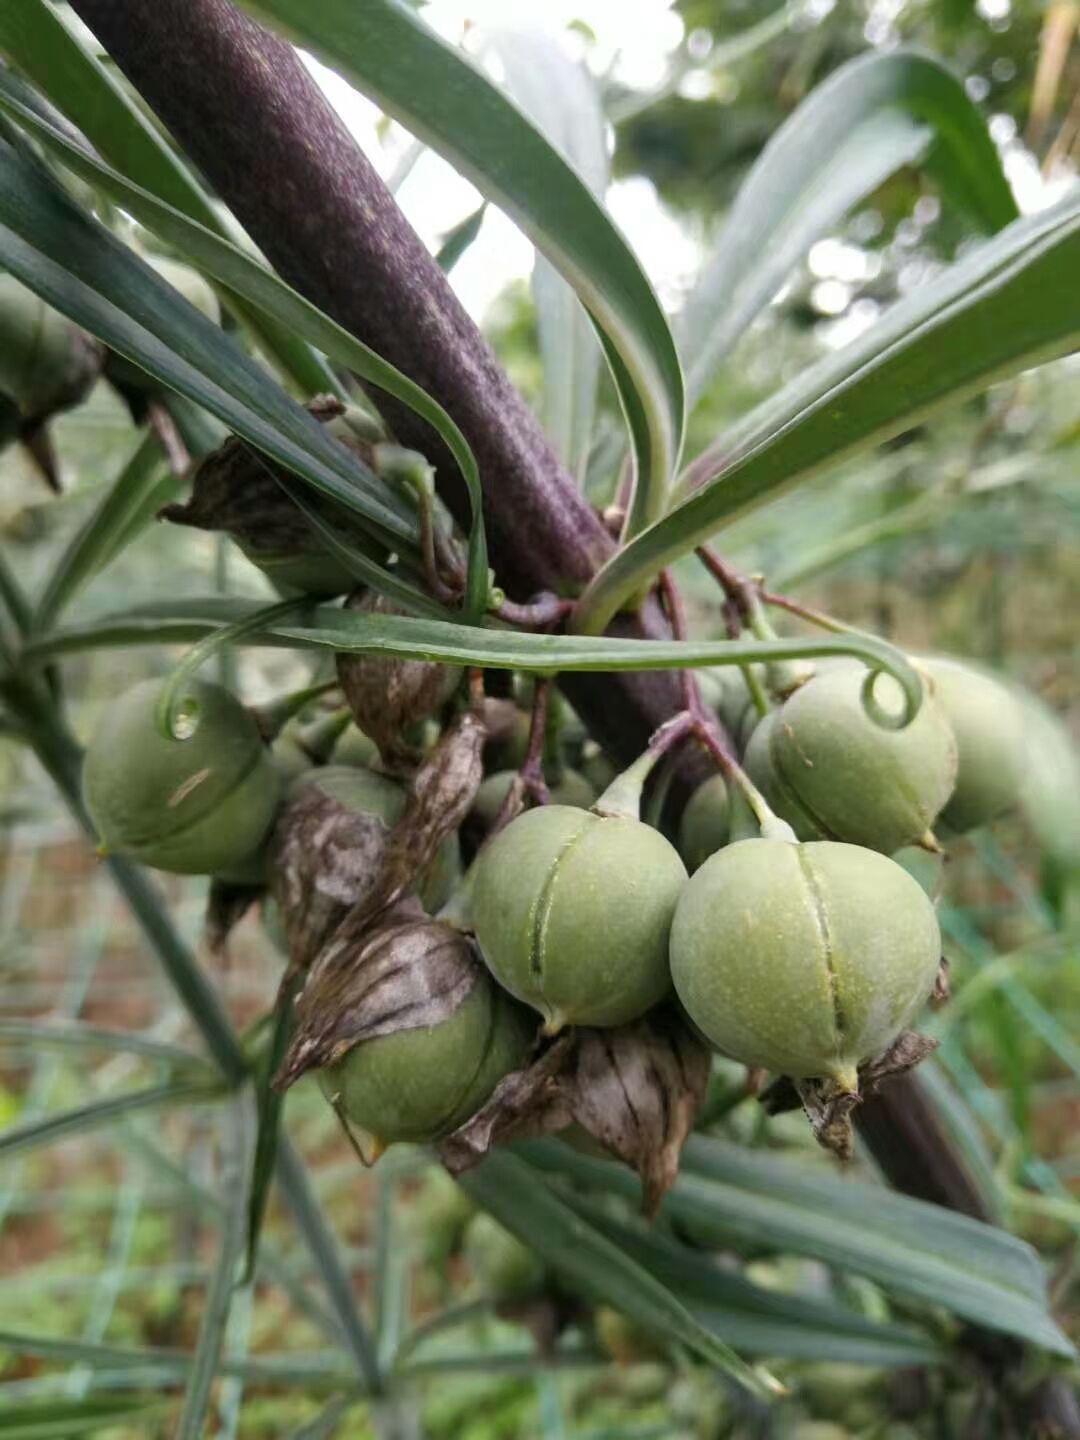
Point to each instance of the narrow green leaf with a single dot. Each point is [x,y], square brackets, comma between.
[320,1372]
[415,638]
[143,485]
[237,1152]
[76,1035]
[65,1419]
[1008,306]
[83,271]
[83,1119]
[325,1252]
[270,1103]
[579,1254]
[870,118]
[40,45]
[562,100]
[263,289]
[456,241]
[728,1197]
[759,1321]
[389,53]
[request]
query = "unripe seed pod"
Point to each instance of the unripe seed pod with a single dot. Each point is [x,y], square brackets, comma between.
[706,822]
[418,1084]
[47,364]
[572,789]
[803,959]
[858,781]
[988,723]
[572,911]
[504,1268]
[355,748]
[365,792]
[597,768]
[197,806]
[627,1342]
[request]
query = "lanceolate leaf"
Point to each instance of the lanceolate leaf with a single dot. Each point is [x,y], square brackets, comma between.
[726,1197]
[65,1419]
[79,268]
[40,45]
[870,118]
[585,1259]
[561,99]
[1012,304]
[262,289]
[758,1320]
[388,52]
[415,638]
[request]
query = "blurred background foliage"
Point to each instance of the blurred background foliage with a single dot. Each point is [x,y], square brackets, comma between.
[963,535]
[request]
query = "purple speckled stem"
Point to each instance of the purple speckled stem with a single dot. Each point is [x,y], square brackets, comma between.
[246,111]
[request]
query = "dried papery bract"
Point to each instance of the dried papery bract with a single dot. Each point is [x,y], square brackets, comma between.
[352,842]
[635,1089]
[390,697]
[237,491]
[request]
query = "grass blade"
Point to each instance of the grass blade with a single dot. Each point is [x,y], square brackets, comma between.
[236,1153]
[83,1119]
[519,1199]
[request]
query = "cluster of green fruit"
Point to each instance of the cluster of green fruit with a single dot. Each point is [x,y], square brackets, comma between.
[804,956]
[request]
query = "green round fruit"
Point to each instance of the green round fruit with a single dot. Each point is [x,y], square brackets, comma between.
[627,1342]
[572,789]
[416,1085]
[803,959]
[572,911]
[367,792]
[596,767]
[304,572]
[706,822]
[988,723]
[504,1268]
[355,748]
[46,363]
[198,806]
[856,780]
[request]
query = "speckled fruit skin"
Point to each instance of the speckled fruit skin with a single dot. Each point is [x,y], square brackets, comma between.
[572,912]
[706,822]
[194,807]
[366,790]
[419,1084]
[572,789]
[858,781]
[988,723]
[803,959]
[502,1266]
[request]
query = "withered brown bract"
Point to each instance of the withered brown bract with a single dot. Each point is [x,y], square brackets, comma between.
[634,1088]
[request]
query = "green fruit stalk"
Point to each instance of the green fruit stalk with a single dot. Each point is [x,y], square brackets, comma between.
[803,959]
[195,806]
[572,912]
